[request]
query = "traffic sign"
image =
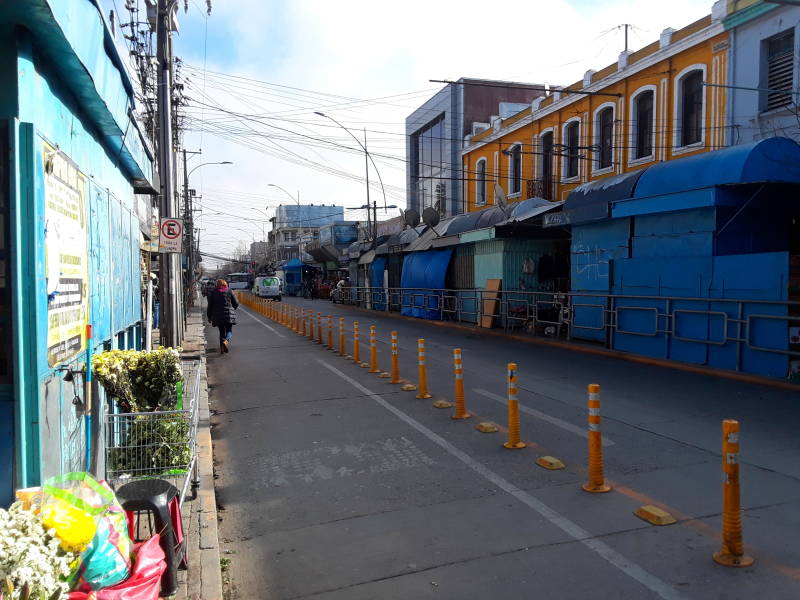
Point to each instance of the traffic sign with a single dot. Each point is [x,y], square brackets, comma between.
[171,235]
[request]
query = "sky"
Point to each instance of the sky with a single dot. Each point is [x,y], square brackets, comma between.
[256,71]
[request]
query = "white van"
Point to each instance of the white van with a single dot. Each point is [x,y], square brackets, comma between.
[268,286]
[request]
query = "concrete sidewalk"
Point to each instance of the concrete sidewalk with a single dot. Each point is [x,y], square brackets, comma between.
[203,579]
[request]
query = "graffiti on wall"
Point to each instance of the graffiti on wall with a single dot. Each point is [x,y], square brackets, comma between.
[66,257]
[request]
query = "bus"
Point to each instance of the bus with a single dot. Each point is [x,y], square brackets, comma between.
[240,281]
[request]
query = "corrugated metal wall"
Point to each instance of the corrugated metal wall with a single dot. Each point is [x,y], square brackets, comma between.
[461,273]
[488,261]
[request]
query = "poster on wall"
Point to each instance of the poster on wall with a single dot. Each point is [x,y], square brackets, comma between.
[66,257]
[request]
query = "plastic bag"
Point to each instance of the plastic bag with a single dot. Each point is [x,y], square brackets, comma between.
[77,505]
[144,582]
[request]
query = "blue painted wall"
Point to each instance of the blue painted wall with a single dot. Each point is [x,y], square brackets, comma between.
[38,95]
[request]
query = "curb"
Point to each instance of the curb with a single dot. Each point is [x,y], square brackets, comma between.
[203,579]
[645,360]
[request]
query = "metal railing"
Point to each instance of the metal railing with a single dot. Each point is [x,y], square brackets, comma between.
[160,444]
[741,326]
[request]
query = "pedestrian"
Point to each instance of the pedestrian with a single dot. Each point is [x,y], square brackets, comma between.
[221,306]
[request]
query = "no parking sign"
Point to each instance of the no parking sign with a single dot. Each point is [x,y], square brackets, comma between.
[171,239]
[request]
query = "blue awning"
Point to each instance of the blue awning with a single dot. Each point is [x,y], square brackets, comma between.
[706,179]
[774,159]
[422,272]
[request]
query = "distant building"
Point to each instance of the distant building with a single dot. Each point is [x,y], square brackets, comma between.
[435,131]
[294,221]
[259,251]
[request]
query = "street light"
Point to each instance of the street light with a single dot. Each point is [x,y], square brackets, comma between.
[287,193]
[367,155]
[189,222]
[224,162]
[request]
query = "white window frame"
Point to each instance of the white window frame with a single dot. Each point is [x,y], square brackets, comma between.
[632,125]
[678,105]
[565,161]
[596,169]
[485,162]
[509,177]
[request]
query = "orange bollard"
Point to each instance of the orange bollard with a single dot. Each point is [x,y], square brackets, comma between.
[341,336]
[395,367]
[330,332]
[422,392]
[303,322]
[356,345]
[373,351]
[295,319]
[458,367]
[311,326]
[319,328]
[514,441]
[731,554]
[596,483]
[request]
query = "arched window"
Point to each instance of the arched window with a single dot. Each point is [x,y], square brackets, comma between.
[572,140]
[546,188]
[480,183]
[605,137]
[690,120]
[643,124]
[514,170]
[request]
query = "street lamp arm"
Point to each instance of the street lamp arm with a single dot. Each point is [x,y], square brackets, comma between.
[364,148]
[275,185]
[224,162]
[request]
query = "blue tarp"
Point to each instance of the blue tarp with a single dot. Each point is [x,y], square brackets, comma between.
[376,269]
[424,271]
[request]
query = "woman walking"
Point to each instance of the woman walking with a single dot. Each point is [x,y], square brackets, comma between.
[221,306]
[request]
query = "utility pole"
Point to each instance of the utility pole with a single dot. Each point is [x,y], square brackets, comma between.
[366,164]
[188,230]
[169,269]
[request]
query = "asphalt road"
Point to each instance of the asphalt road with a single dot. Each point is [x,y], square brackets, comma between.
[334,484]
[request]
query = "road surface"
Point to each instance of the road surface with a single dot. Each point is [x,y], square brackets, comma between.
[334,484]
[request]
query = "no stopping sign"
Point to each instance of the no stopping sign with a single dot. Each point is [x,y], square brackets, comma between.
[171,235]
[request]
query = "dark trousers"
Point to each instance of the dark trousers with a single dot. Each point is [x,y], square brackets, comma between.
[225,332]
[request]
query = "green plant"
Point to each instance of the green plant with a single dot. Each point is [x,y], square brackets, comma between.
[153,446]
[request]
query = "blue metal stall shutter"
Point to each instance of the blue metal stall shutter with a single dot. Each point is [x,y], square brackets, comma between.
[423,274]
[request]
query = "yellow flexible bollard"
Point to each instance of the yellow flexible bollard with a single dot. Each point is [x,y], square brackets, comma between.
[458,367]
[303,322]
[294,321]
[330,332]
[341,336]
[395,367]
[356,345]
[422,392]
[319,328]
[731,554]
[514,441]
[597,482]
[373,351]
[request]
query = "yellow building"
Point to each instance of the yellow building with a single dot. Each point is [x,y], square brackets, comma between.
[655,104]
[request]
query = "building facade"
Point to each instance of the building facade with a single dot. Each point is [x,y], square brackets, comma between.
[434,135]
[658,103]
[765,45]
[296,224]
[73,160]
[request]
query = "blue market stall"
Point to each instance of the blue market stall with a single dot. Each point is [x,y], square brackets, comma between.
[695,260]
